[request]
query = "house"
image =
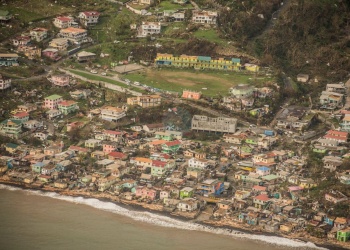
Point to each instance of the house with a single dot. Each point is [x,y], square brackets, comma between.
[340,223]
[28,107]
[31,51]
[302,78]
[85,56]
[22,117]
[145,101]
[159,168]
[60,184]
[194,173]
[188,205]
[112,114]
[331,100]
[261,201]
[345,123]
[52,101]
[63,22]
[175,16]
[113,135]
[154,127]
[109,147]
[339,136]
[211,187]
[60,80]
[53,113]
[89,18]
[51,53]
[59,44]
[332,162]
[92,143]
[142,162]
[338,88]
[68,107]
[204,17]
[80,94]
[171,147]
[262,171]
[75,35]
[234,138]
[11,128]
[52,150]
[11,147]
[242,91]
[199,163]
[343,234]
[241,194]
[117,156]
[147,193]
[74,125]
[78,150]
[186,192]
[188,94]
[5,16]
[48,169]
[335,197]
[295,117]
[195,154]
[20,40]
[106,183]
[149,28]
[8,59]
[218,124]
[64,165]
[5,82]
[38,34]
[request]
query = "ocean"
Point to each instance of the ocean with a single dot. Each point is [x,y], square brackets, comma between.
[45,220]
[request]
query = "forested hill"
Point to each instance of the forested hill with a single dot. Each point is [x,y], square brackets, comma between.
[310,36]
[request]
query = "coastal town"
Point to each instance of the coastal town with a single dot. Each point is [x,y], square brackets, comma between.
[242,156]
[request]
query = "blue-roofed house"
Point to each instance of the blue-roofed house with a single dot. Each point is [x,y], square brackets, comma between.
[262,171]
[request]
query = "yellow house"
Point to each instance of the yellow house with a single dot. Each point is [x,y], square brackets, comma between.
[11,147]
[307,183]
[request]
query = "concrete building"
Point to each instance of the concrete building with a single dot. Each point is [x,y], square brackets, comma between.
[38,34]
[89,18]
[5,83]
[242,91]
[204,17]
[149,28]
[75,35]
[219,124]
[145,101]
[52,101]
[112,114]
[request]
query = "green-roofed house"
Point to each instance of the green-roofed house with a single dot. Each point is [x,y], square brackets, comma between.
[11,147]
[5,16]
[52,101]
[11,128]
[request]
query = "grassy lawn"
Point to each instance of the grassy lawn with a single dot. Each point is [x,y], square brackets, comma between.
[210,35]
[168,5]
[210,83]
[103,79]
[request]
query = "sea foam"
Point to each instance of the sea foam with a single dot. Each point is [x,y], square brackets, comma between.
[165,221]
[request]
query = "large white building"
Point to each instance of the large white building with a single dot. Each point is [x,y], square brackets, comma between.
[218,124]
[149,28]
[204,17]
[89,18]
[75,35]
[112,114]
[5,83]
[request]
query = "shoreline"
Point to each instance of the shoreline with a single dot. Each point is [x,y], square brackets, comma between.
[155,209]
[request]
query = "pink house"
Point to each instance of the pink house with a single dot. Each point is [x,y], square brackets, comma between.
[144,192]
[109,147]
[51,53]
[52,101]
[191,94]
[60,80]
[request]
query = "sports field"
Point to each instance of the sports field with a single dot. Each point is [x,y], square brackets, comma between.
[209,83]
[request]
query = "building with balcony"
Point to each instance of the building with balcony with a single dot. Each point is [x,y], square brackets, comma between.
[219,124]
[149,28]
[112,114]
[5,82]
[204,17]
[8,60]
[60,80]
[75,35]
[211,187]
[38,34]
[11,128]
[68,107]
[145,101]
[89,18]
[52,101]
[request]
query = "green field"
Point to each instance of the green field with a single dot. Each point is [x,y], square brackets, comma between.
[103,79]
[168,5]
[210,83]
[210,35]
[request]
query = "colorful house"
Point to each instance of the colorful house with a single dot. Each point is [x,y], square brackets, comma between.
[21,117]
[147,193]
[188,94]
[262,171]
[11,147]
[171,147]
[186,192]
[261,201]
[52,101]
[68,107]
[11,128]
[159,168]
[211,187]
[344,234]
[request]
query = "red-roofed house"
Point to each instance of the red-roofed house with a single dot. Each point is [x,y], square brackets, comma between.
[63,22]
[113,135]
[79,150]
[171,147]
[117,156]
[259,189]
[21,117]
[338,136]
[261,201]
[67,107]
[89,18]
[160,167]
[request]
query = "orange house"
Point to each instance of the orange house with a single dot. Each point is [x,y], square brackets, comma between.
[191,94]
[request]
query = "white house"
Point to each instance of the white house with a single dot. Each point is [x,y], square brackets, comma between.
[5,83]
[149,28]
[112,114]
[199,163]
[89,18]
[204,17]
[188,205]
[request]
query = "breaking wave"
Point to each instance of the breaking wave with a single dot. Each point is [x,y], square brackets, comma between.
[165,221]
